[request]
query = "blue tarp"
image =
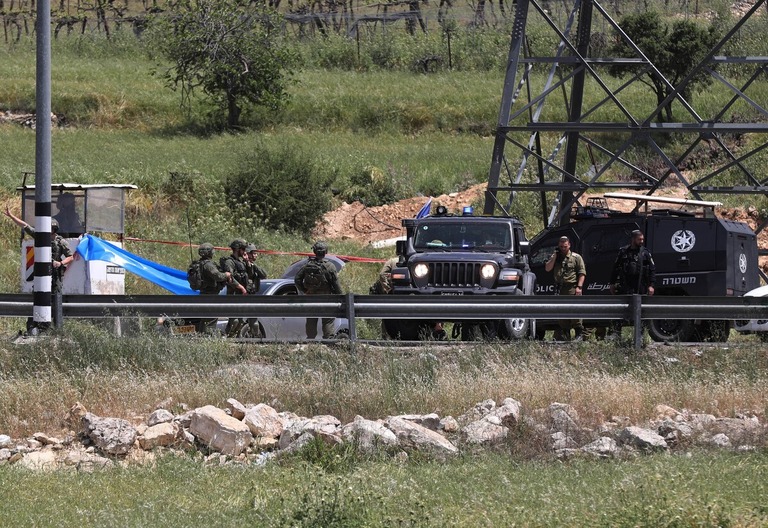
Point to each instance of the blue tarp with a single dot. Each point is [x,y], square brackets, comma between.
[173,280]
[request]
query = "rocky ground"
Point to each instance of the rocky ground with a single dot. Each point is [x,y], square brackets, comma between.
[254,434]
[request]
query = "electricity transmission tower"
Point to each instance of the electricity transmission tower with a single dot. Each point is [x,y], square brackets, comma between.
[567,127]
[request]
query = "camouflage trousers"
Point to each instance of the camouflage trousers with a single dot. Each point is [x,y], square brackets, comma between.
[567,324]
[311,327]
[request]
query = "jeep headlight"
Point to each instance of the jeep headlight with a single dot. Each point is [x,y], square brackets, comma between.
[487,271]
[420,271]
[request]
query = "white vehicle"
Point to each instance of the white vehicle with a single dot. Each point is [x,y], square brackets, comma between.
[754,326]
[285,328]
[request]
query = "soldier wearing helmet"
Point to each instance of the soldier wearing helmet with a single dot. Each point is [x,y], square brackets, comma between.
[254,271]
[317,277]
[61,256]
[235,265]
[213,280]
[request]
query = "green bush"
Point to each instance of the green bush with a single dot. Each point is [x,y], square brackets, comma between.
[373,186]
[283,188]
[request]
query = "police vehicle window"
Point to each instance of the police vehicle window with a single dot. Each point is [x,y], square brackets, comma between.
[543,252]
[608,241]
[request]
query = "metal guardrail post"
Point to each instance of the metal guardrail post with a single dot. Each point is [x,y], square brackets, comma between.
[637,320]
[58,310]
[352,322]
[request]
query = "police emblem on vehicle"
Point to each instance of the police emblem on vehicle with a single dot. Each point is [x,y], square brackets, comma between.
[683,241]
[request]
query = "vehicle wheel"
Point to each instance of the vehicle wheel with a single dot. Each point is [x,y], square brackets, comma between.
[246,332]
[516,328]
[671,330]
[407,329]
[714,331]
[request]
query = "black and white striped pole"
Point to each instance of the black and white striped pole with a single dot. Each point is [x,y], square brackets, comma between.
[41,309]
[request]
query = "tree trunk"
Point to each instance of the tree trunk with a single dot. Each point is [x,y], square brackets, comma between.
[233,111]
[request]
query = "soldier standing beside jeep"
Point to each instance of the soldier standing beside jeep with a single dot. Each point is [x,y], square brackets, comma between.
[570,273]
[317,277]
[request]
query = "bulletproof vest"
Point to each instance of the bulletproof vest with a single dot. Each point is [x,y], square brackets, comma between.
[239,273]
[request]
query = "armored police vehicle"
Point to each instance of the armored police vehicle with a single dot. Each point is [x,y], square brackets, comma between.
[696,253]
[446,254]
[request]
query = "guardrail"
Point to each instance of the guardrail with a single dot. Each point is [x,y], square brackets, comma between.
[634,308]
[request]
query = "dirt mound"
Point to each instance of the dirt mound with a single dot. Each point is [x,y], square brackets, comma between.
[364,224]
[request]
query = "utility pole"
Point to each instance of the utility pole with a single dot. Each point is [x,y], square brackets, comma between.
[41,310]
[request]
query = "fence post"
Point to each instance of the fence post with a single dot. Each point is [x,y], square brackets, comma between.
[350,309]
[637,320]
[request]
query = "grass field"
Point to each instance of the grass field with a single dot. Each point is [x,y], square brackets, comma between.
[702,490]
[518,484]
[434,134]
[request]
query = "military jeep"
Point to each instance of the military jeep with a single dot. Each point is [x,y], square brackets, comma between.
[447,254]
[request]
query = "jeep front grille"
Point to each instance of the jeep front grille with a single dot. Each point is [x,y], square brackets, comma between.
[454,274]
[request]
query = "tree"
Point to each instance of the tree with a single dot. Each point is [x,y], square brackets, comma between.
[674,52]
[226,49]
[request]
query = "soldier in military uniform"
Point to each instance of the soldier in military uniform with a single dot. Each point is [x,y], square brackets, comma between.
[570,273]
[317,277]
[213,280]
[235,265]
[254,272]
[634,272]
[61,257]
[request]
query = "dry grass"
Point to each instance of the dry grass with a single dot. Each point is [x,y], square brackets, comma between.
[130,378]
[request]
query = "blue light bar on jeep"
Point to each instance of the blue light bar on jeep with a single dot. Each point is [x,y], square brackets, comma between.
[468,210]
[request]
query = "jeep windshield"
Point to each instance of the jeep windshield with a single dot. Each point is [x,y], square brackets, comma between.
[458,235]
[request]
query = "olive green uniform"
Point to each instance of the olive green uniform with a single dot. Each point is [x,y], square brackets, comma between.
[567,270]
[330,286]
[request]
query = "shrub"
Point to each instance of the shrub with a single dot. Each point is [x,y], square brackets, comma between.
[284,188]
[373,186]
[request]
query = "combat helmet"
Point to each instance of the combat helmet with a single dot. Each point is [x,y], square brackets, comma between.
[205,250]
[238,243]
[320,248]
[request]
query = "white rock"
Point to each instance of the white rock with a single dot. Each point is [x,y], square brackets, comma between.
[159,416]
[5,441]
[430,421]
[415,436]
[449,424]
[482,432]
[159,435]
[237,409]
[368,435]
[263,421]
[219,431]
[721,440]
[112,435]
[643,439]
[43,460]
[603,447]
